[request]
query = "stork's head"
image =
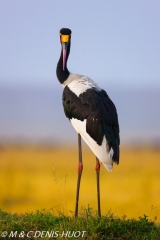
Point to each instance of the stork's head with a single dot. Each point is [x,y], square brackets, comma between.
[65,39]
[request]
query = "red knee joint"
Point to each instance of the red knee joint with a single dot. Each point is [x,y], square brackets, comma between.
[80,168]
[97,168]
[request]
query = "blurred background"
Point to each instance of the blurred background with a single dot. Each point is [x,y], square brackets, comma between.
[116,43]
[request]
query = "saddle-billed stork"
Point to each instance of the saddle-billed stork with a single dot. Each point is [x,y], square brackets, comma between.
[92,114]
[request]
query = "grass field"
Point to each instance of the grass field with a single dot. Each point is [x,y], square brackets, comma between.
[34,178]
[91,227]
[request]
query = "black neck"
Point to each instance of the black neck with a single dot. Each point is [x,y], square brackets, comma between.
[62,75]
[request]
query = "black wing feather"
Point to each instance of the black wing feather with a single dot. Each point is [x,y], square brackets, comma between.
[100,113]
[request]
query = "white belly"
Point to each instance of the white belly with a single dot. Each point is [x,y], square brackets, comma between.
[101,152]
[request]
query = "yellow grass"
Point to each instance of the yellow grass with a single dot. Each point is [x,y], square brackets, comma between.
[45,178]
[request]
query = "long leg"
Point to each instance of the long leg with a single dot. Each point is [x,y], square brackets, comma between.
[97,168]
[80,168]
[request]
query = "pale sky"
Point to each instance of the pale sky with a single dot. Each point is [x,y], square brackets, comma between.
[113,42]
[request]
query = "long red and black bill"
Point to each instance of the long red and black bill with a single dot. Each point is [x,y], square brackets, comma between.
[64,40]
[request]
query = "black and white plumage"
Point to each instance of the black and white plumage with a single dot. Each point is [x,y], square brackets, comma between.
[89,109]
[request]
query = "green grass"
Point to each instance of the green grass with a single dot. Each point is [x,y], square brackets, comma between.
[87,226]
